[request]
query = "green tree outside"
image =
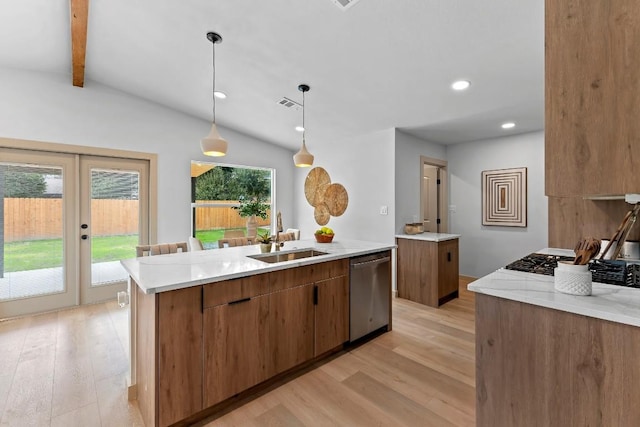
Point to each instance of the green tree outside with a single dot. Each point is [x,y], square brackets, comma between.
[24,184]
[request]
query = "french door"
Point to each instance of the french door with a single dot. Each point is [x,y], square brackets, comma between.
[66,221]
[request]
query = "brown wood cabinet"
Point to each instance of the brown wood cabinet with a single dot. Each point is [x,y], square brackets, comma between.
[235,312]
[201,345]
[169,340]
[427,271]
[592,131]
[291,322]
[537,366]
[331,314]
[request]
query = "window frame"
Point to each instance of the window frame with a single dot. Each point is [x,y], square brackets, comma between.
[195,205]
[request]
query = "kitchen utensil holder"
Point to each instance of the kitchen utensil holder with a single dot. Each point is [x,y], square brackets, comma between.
[572,279]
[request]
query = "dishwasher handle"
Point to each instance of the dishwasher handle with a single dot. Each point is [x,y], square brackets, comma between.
[372,262]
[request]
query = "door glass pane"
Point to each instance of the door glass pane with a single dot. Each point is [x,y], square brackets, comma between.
[114,223]
[31,230]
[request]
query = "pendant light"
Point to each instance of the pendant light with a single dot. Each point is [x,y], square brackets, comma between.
[213,144]
[303,158]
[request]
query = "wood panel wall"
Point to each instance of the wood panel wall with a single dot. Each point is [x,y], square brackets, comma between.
[541,367]
[592,106]
[572,218]
[592,93]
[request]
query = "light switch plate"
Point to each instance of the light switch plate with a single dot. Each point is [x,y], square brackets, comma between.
[452,208]
[384,210]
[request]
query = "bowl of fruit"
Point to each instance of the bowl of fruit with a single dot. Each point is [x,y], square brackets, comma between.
[324,235]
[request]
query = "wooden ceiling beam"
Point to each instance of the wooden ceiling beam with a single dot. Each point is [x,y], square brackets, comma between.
[79,18]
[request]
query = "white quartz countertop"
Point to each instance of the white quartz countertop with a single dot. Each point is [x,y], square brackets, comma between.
[429,237]
[161,273]
[608,302]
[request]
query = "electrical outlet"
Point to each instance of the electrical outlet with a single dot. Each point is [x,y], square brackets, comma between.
[384,210]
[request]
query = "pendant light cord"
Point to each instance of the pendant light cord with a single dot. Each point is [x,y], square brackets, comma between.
[304,128]
[213,44]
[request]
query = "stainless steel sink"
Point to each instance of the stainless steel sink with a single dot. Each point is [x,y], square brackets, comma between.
[287,256]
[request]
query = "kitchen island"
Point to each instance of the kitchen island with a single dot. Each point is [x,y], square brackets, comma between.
[208,326]
[428,267]
[547,358]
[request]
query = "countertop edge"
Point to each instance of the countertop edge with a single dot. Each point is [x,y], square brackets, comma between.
[131,264]
[618,304]
[429,237]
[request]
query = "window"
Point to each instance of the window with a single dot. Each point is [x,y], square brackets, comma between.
[217,191]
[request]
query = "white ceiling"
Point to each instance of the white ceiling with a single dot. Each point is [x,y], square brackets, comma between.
[377,65]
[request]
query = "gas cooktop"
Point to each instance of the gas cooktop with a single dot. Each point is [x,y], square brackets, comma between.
[538,263]
[604,271]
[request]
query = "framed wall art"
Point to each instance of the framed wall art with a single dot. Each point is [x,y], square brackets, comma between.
[504,197]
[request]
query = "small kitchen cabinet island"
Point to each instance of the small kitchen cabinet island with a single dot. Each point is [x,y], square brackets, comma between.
[544,358]
[427,268]
[209,325]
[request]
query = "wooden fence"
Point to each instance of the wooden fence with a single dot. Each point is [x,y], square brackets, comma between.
[37,219]
[211,218]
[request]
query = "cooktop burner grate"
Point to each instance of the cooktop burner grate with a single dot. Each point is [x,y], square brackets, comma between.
[538,263]
[603,271]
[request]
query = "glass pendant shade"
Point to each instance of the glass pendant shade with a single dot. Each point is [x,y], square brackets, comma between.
[303,158]
[213,144]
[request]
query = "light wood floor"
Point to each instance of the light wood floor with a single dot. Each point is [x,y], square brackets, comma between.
[66,369]
[69,369]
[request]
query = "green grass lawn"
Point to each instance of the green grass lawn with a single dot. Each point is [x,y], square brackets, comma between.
[209,238]
[36,254]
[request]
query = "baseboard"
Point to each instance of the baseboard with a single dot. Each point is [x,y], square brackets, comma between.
[394,293]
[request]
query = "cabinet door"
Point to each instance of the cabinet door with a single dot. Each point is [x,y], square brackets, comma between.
[235,347]
[291,328]
[417,271]
[591,102]
[447,270]
[331,314]
[179,367]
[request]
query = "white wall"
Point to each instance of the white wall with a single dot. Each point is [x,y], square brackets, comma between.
[484,249]
[408,174]
[46,107]
[368,179]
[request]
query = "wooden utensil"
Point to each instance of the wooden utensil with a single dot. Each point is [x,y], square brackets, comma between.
[585,250]
[620,236]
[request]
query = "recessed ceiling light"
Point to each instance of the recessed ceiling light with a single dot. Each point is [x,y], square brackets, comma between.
[460,85]
[220,95]
[299,128]
[508,125]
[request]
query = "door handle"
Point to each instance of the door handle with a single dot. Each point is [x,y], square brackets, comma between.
[84,226]
[449,256]
[84,237]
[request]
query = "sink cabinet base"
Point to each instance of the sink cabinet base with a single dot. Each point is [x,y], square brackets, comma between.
[202,348]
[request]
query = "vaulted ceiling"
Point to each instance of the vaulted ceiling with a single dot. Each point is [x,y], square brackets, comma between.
[376,65]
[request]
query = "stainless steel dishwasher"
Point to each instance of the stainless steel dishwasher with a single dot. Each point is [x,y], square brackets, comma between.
[370,286]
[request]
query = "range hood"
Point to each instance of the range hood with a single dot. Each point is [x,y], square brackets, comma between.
[629,198]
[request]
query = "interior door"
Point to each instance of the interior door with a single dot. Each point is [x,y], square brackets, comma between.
[430,198]
[113,220]
[38,251]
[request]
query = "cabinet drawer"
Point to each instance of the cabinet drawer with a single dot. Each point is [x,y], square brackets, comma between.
[234,290]
[292,277]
